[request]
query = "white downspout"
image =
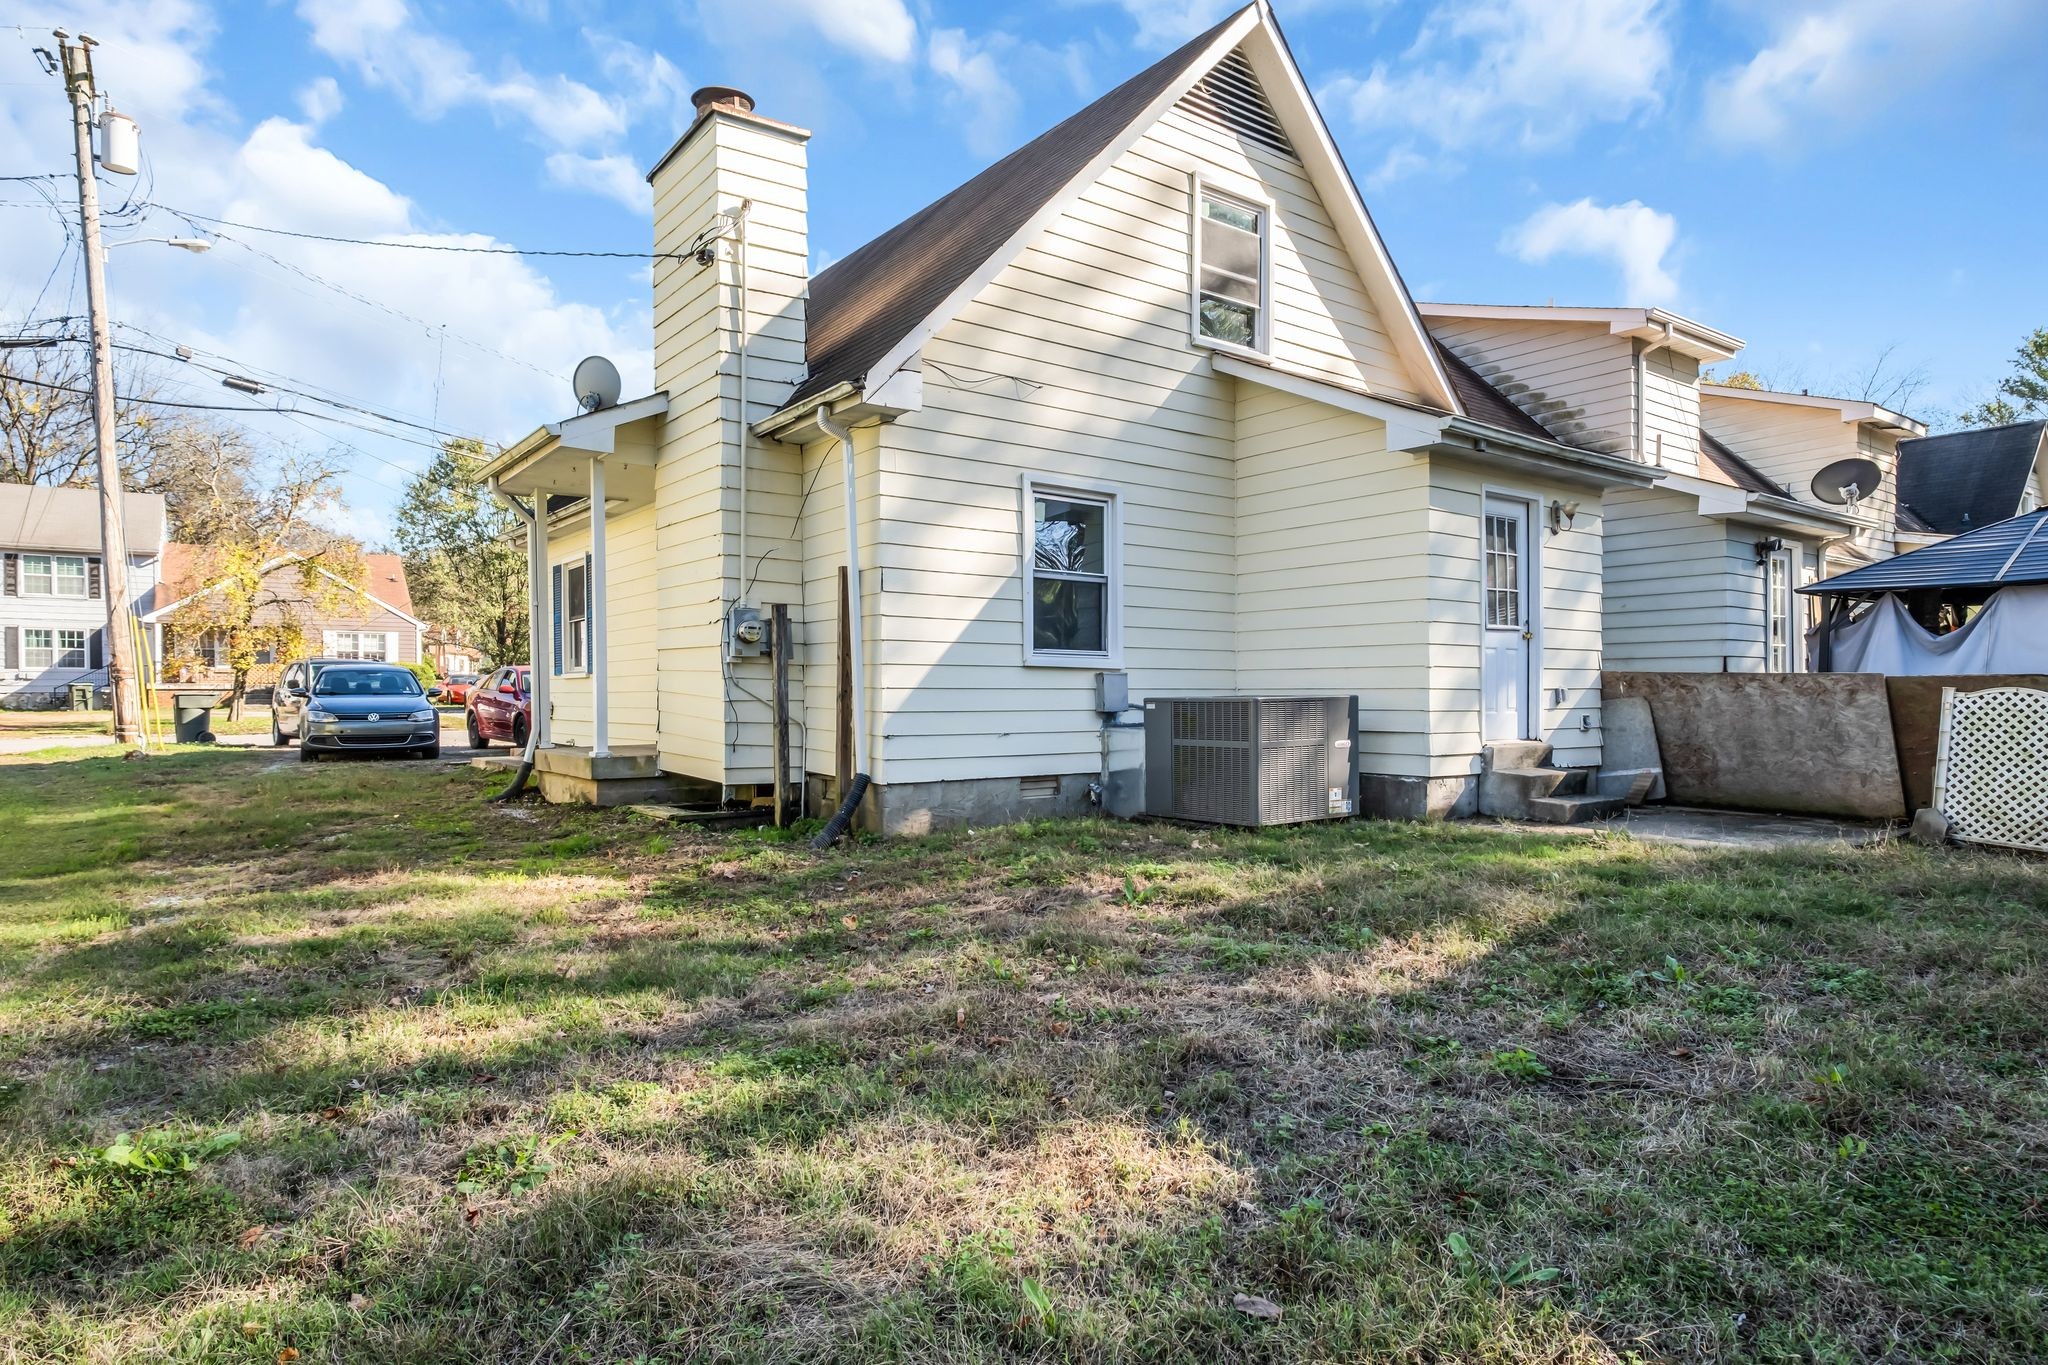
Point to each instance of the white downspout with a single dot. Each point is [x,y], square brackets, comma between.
[844,436]
[537,736]
[595,635]
[739,240]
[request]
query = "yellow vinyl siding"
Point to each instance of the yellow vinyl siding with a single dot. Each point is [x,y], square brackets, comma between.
[1576,378]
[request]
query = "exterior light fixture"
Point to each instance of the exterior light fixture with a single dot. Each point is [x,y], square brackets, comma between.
[1562,515]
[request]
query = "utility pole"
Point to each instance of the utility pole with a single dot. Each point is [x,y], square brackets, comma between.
[121,676]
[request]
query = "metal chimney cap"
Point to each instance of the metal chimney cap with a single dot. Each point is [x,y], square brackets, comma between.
[726,96]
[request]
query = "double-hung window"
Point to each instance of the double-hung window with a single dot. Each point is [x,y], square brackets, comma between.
[1231,262]
[1072,568]
[53,576]
[372,645]
[44,648]
[576,617]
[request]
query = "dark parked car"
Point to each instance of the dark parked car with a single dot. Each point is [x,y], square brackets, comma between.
[288,697]
[360,708]
[501,708]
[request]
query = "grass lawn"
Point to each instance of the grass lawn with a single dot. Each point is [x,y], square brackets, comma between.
[338,1063]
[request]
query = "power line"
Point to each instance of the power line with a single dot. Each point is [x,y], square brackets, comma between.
[435,246]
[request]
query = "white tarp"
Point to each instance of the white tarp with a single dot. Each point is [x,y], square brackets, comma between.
[2010,635]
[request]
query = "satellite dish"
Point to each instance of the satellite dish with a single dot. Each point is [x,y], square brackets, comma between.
[596,383]
[1847,482]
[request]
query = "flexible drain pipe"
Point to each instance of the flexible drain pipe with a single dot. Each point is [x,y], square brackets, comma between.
[858,788]
[536,574]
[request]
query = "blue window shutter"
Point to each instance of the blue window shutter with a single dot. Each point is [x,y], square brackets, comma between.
[558,620]
[589,617]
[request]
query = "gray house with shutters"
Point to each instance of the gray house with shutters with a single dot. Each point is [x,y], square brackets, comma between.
[53,615]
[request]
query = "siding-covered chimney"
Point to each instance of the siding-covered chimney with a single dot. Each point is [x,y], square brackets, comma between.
[734,172]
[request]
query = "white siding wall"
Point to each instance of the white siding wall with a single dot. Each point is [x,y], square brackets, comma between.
[1671,411]
[1576,378]
[707,731]
[1569,565]
[631,611]
[28,612]
[1791,443]
[1076,364]
[1333,571]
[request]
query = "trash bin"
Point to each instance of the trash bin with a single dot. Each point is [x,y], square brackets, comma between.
[192,717]
[81,696]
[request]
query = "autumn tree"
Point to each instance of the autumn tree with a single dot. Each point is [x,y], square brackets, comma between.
[464,557]
[269,568]
[2021,394]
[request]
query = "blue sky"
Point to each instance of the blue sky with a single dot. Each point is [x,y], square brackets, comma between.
[1824,178]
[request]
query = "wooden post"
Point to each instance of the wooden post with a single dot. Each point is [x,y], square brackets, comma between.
[843,748]
[778,644]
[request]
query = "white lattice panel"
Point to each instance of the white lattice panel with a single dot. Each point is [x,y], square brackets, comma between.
[1991,775]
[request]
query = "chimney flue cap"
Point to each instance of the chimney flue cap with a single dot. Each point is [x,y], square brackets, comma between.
[722,97]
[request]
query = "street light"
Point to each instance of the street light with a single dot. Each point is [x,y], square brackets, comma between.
[195,245]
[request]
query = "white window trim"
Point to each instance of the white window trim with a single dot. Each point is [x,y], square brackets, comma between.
[1032,487]
[1204,185]
[1789,556]
[329,644]
[84,563]
[570,667]
[28,651]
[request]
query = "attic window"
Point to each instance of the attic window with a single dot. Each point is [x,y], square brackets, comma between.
[1230,270]
[1230,97]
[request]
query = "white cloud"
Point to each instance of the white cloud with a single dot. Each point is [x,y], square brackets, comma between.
[1534,71]
[977,87]
[1398,164]
[320,100]
[617,177]
[1168,23]
[1633,236]
[881,30]
[236,303]
[433,74]
[647,83]
[1831,63]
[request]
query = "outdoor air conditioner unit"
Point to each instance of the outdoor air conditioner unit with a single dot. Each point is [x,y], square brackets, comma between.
[1251,760]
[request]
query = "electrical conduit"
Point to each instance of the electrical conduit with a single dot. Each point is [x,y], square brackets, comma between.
[858,788]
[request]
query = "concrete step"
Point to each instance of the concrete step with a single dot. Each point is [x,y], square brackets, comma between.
[1517,753]
[1507,792]
[1632,785]
[1573,810]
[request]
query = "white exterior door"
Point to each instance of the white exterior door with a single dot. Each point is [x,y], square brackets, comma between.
[1508,620]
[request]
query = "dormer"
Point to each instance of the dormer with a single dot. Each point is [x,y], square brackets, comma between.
[1622,381]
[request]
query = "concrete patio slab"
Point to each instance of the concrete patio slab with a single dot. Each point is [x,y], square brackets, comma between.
[1696,827]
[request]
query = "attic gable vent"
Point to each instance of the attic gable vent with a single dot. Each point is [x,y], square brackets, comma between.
[1229,97]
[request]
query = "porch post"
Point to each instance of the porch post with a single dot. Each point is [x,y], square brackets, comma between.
[595,629]
[539,667]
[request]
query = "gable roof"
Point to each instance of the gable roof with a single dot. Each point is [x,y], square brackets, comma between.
[1739,471]
[1659,325]
[1969,479]
[869,310]
[2012,551]
[180,581]
[35,516]
[1857,410]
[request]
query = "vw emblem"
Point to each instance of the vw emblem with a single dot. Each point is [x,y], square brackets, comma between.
[374,716]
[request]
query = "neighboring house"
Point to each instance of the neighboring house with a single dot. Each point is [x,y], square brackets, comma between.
[450,653]
[1699,571]
[53,614]
[1144,399]
[1791,437]
[1965,480]
[368,618]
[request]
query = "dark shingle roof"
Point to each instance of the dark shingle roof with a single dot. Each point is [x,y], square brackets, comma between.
[2013,551]
[1909,520]
[866,303]
[1740,472]
[1483,402]
[1968,479]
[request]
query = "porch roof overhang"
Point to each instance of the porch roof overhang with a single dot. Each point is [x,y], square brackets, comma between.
[1726,502]
[555,458]
[1425,430]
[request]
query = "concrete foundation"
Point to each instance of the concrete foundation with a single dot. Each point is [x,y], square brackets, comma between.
[1383,796]
[915,808]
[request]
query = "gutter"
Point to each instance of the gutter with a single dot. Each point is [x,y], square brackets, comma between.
[1480,441]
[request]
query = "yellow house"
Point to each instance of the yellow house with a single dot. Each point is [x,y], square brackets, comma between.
[1143,409]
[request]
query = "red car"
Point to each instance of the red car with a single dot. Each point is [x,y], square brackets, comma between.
[500,708]
[458,689]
